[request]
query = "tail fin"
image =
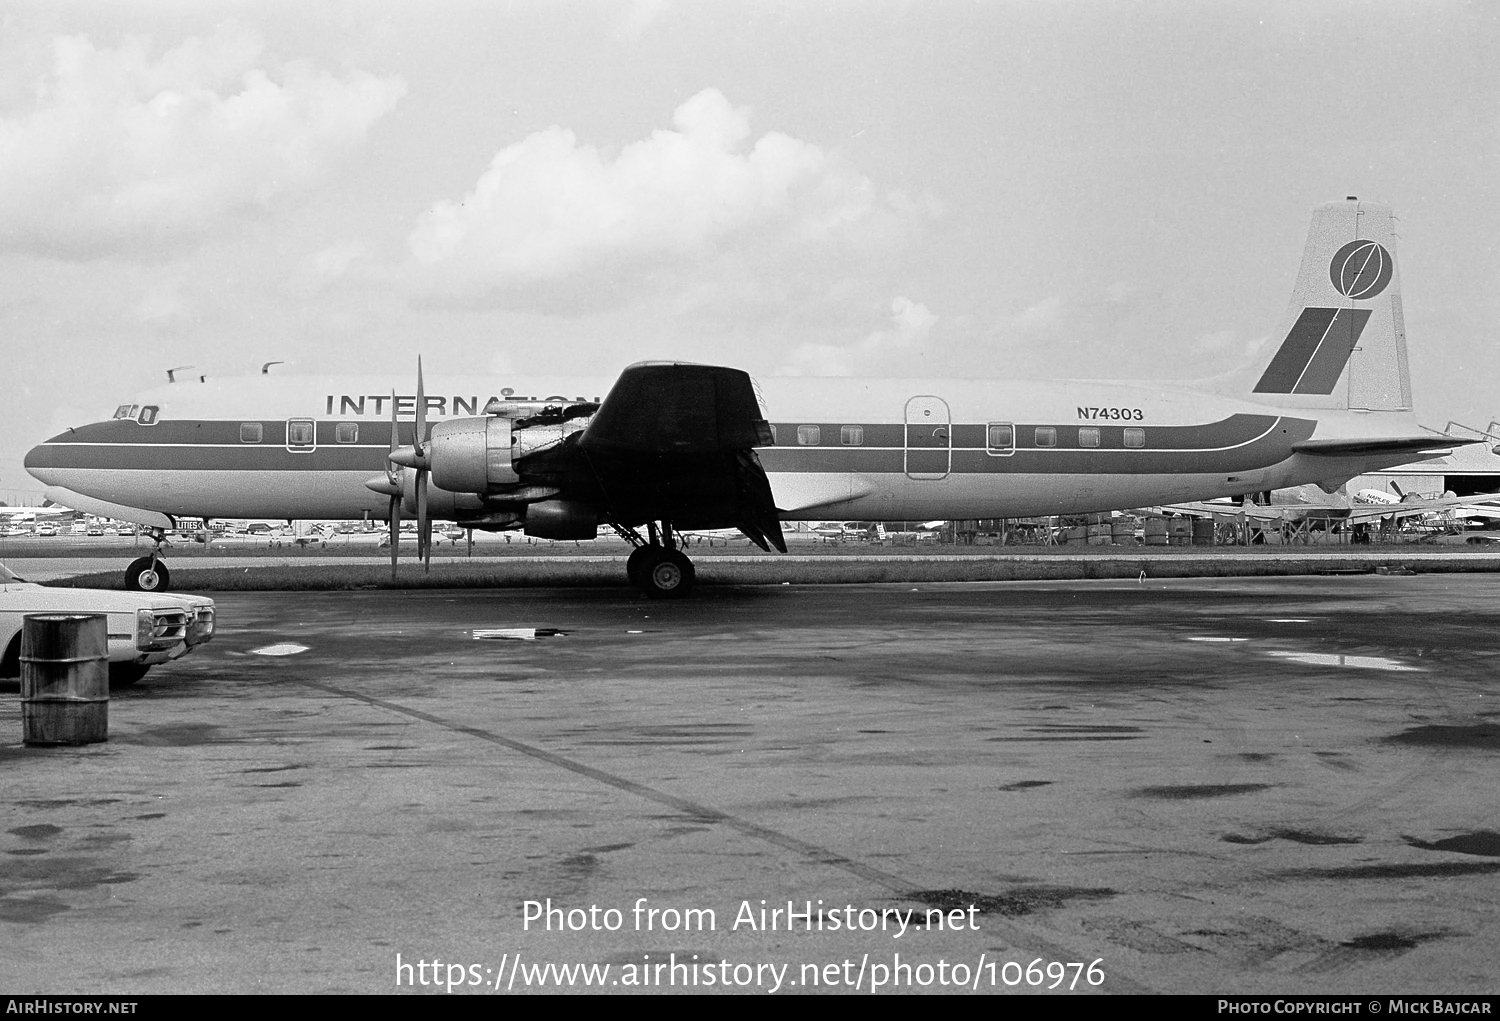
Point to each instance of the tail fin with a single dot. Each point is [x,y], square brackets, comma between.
[1344,340]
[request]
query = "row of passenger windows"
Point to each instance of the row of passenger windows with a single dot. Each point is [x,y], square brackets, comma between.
[1001,437]
[812,435]
[300,432]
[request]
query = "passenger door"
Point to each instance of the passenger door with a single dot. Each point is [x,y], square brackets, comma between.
[929,439]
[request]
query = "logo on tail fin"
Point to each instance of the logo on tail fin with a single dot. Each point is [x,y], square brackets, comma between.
[1361,270]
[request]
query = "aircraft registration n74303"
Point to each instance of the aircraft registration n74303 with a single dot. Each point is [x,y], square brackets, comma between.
[669,447]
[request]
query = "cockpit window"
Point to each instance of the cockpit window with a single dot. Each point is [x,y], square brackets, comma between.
[148,415]
[126,411]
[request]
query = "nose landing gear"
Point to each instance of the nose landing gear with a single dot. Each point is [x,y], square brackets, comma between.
[657,567]
[149,574]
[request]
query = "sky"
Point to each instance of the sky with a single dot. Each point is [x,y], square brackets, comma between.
[1059,189]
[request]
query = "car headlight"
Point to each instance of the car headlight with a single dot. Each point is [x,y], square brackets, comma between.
[202,627]
[145,630]
[159,630]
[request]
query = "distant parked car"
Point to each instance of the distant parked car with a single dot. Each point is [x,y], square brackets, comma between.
[126,530]
[145,628]
[47,529]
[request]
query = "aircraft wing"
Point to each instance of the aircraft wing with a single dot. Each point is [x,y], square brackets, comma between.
[677,441]
[1407,510]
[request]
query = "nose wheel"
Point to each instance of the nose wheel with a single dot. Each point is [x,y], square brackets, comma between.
[659,570]
[149,574]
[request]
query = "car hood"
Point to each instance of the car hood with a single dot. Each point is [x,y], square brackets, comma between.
[93,600]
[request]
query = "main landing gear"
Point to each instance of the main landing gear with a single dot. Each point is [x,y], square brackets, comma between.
[657,567]
[149,574]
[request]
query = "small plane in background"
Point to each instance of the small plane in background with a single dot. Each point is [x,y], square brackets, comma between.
[671,448]
[1482,506]
[1310,503]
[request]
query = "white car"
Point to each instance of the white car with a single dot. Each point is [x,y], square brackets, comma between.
[145,628]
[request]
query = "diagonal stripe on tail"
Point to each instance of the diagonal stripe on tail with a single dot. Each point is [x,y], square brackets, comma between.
[1315,351]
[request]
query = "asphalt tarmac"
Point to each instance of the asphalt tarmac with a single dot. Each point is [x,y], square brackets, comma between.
[1225,786]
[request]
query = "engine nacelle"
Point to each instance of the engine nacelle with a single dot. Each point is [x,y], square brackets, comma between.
[471,455]
[561,519]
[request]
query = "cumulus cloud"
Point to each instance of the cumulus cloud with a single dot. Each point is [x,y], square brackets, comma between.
[910,325]
[556,220]
[123,153]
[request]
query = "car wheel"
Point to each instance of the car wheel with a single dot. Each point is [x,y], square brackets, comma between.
[667,574]
[123,675]
[147,574]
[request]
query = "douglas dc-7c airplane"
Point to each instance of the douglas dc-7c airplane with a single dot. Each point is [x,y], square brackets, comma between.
[674,447]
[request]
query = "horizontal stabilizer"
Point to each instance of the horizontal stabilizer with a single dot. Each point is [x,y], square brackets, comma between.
[1434,446]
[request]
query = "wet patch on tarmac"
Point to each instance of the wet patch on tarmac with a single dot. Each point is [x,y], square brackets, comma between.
[1295,836]
[20,909]
[1075,732]
[606,848]
[1391,942]
[1440,870]
[1336,760]
[697,733]
[1025,785]
[271,769]
[1481,842]
[1484,736]
[1190,792]
[1018,901]
[1362,948]
[63,873]
[41,831]
[177,735]
[69,802]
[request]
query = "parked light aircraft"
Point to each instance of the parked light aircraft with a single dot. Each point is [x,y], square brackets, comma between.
[670,447]
[1310,503]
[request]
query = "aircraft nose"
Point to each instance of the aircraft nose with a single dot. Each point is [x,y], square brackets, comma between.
[39,462]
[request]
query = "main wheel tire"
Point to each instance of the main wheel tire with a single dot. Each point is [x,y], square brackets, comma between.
[147,574]
[635,566]
[666,574]
[123,675]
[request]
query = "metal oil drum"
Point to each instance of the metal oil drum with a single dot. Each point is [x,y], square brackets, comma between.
[64,678]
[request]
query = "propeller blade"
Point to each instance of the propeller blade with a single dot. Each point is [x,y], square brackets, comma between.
[420,439]
[390,467]
[424,523]
[395,531]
